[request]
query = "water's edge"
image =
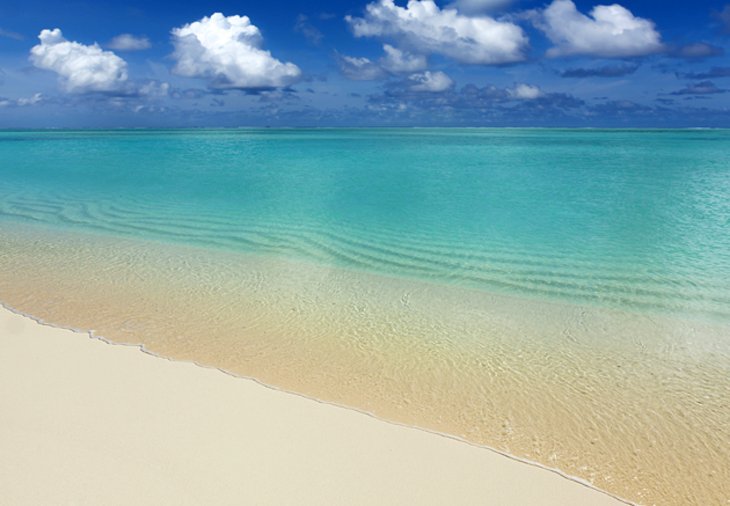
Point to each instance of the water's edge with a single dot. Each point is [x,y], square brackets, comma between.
[92,335]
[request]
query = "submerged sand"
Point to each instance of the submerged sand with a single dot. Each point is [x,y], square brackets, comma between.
[86,422]
[633,403]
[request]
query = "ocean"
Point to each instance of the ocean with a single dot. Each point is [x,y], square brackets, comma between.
[559,295]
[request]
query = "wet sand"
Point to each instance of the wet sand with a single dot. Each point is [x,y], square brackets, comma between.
[87,422]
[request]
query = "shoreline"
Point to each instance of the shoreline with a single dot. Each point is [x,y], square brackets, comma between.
[548,486]
[449,360]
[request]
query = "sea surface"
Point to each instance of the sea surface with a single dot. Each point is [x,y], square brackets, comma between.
[559,295]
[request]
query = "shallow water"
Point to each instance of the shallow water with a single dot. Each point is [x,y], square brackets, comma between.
[635,219]
[559,295]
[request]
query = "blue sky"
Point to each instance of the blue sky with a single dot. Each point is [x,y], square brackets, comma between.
[329,63]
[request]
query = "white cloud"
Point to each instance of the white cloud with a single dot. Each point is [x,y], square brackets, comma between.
[425,28]
[81,68]
[359,68]
[396,61]
[610,31]
[226,50]
[430,81]
[129,42]
[475,6]
[525,92]
[10,34]
[21,102]
[154,89]
[36,98]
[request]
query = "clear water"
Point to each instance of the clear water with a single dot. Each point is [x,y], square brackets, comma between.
[631,218]
[627,231]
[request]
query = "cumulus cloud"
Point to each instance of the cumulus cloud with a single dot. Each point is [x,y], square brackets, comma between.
[605,71]
[81,68]
[393,62]
[396,61]
[433,82]
[359,68]
[610,31]
[226,50]
[525,92]
[424,28]
[129,42]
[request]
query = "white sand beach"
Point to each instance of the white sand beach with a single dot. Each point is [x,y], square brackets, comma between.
[86,422]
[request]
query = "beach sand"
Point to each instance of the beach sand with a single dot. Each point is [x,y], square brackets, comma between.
[86,422]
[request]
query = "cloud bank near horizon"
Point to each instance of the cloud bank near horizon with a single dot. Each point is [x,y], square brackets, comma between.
[401,49]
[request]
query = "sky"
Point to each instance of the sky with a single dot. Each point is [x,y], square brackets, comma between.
[571,63]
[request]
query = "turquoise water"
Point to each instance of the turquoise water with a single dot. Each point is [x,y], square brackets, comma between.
[633,219]
[625,386]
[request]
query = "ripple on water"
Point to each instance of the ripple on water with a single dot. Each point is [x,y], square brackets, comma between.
[634,403]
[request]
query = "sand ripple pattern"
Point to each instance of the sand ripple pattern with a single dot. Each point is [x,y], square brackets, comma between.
[495,267]
[635,403]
